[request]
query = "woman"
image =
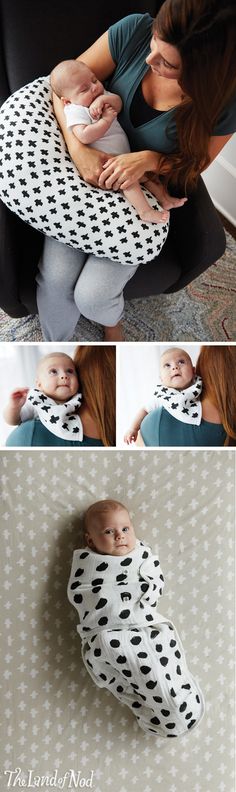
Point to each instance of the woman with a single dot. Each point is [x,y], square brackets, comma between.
[178,112]
[216,365]
[97,377]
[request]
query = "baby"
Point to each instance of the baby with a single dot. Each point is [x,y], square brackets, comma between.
[91,112]
[127,646]
[178,393]
[54,401]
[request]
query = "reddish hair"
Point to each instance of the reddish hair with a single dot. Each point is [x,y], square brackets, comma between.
[204,33]
[96,366]
[217,367]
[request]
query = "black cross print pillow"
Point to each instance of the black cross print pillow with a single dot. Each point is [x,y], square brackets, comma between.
[40,183]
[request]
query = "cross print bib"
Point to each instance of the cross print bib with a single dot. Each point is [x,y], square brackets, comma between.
[182,404]
[60,419]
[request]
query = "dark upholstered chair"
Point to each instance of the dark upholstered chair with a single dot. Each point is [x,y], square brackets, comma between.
[35,36]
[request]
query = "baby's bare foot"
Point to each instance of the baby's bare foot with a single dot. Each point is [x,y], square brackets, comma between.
[172,203]
[152,216]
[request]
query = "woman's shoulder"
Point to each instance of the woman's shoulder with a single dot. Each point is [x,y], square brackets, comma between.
[150,427]
[33,433]
[133,26]
[22,435]
[159,428]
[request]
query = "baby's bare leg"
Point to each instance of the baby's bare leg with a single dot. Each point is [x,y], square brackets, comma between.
[160,192]
[138,200]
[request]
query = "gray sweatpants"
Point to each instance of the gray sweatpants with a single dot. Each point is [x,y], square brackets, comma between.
[70,283]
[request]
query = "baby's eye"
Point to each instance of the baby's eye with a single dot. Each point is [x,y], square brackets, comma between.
[108,531]
[70,371]
[166,365]
[125,529]
[52,371]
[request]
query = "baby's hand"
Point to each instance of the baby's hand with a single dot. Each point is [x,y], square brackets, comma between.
[109,113]
[18,397]
[131,436]
[97,107]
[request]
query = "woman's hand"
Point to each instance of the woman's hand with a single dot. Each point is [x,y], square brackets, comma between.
[120,172]
[89,163]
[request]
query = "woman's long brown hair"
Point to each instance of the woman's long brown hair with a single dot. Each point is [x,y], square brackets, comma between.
[97,377]
[204,32]
[217,367]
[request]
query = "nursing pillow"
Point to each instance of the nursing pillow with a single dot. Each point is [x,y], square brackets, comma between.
[40,183]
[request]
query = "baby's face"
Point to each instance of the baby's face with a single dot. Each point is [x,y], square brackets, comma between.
[87,88]
[57,378]
[176,369]
[111,533]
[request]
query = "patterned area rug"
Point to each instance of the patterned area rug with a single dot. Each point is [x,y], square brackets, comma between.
[203,311]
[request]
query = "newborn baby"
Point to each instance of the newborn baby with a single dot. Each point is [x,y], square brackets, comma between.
[54,401]
[127,646]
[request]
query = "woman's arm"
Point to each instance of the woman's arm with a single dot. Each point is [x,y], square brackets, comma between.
[217,143]
[122,171]
[98,58]
[88,161]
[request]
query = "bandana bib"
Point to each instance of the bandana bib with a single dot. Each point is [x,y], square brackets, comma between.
[60,419]
[182,404]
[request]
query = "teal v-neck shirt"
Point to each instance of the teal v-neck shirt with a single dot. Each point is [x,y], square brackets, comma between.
[33,433]
[159,428]
[129,43]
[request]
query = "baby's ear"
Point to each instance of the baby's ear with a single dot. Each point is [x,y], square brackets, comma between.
[65,101]
[37,383]
[89,540]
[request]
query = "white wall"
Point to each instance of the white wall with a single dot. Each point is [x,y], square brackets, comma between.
[220,180]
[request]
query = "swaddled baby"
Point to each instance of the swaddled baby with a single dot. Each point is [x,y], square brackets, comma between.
[127,646]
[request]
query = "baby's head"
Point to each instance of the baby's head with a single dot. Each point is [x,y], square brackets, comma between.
[74,82]
[176,369]
[108,528]
[57,377]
